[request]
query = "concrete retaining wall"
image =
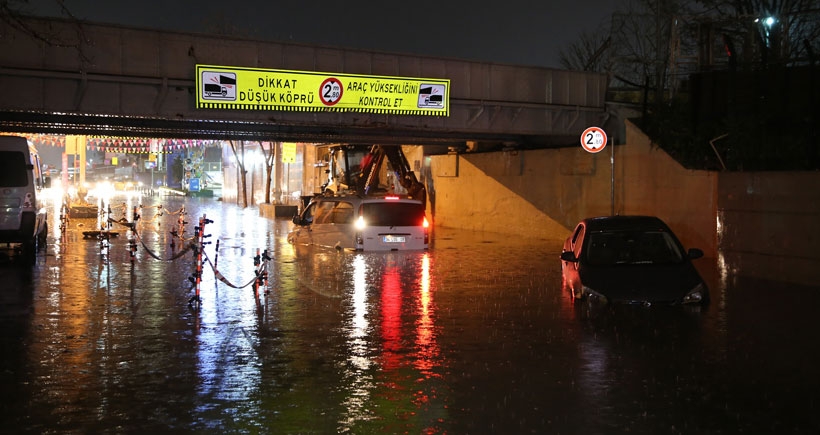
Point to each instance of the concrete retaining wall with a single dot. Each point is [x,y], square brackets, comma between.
[651,182]
[546,192]
[769,225]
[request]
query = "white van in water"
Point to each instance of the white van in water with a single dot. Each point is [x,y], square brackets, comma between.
[23,219]
[364,223]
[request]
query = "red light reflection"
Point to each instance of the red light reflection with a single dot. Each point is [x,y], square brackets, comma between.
[391,318]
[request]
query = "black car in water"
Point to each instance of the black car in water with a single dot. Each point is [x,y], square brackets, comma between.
[630,260]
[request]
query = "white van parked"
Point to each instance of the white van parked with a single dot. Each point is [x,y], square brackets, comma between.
[23,219]
[364,223]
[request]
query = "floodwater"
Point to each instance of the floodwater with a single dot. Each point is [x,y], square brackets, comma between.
[472,336]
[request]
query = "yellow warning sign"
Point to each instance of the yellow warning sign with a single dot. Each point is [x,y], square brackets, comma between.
[288,152]
[239,88]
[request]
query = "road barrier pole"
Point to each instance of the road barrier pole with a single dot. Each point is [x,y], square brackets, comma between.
[199,248]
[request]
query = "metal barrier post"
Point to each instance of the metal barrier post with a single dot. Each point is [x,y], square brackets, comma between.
[199,247]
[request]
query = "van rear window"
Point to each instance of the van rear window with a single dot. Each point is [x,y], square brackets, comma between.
[385,214]
[13,169]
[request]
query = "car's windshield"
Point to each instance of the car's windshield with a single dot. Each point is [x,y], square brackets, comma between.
[393,214]
[632,247]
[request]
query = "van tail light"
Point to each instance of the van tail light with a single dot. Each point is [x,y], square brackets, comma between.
[426,225]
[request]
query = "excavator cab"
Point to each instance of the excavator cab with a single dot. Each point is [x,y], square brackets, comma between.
[345,167]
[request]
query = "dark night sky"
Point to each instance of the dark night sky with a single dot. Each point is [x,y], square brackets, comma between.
[523,32]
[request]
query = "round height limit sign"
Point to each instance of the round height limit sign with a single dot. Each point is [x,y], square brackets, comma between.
[593,139]
[330,91]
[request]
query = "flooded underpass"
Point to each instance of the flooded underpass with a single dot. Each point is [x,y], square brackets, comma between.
[473,336]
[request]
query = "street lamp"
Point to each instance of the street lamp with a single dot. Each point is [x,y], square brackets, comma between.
[767,23]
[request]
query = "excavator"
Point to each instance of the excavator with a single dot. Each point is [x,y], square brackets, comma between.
[360,170]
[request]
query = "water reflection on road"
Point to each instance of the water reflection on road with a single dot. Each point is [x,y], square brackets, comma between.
[472,336]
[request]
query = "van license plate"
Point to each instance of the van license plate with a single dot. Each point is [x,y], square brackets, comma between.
[393,239]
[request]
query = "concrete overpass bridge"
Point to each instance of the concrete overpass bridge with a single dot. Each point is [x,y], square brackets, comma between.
[68,77]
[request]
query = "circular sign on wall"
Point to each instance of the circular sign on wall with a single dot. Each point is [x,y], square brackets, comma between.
[330,92]
[593,139]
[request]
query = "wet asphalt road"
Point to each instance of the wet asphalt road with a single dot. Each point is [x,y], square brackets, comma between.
[472,336]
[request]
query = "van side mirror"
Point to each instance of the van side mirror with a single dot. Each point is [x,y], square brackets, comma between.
[297,220]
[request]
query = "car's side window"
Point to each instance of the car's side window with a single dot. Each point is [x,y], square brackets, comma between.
[342,213]
[324,212]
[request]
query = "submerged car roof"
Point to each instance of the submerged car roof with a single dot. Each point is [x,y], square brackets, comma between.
[625,223]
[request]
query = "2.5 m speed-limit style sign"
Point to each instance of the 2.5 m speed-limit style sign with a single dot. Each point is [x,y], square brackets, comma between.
[593,139]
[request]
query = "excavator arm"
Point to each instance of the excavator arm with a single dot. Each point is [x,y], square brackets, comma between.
[406,176]
[371,166]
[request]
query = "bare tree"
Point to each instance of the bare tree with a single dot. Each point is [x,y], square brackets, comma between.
[644,40]
[13,13]
[590,53]
[636,48]
[270,159]
[757,33]
[651,41]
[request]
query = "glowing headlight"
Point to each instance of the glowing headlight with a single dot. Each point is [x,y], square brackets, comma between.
[695,295]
